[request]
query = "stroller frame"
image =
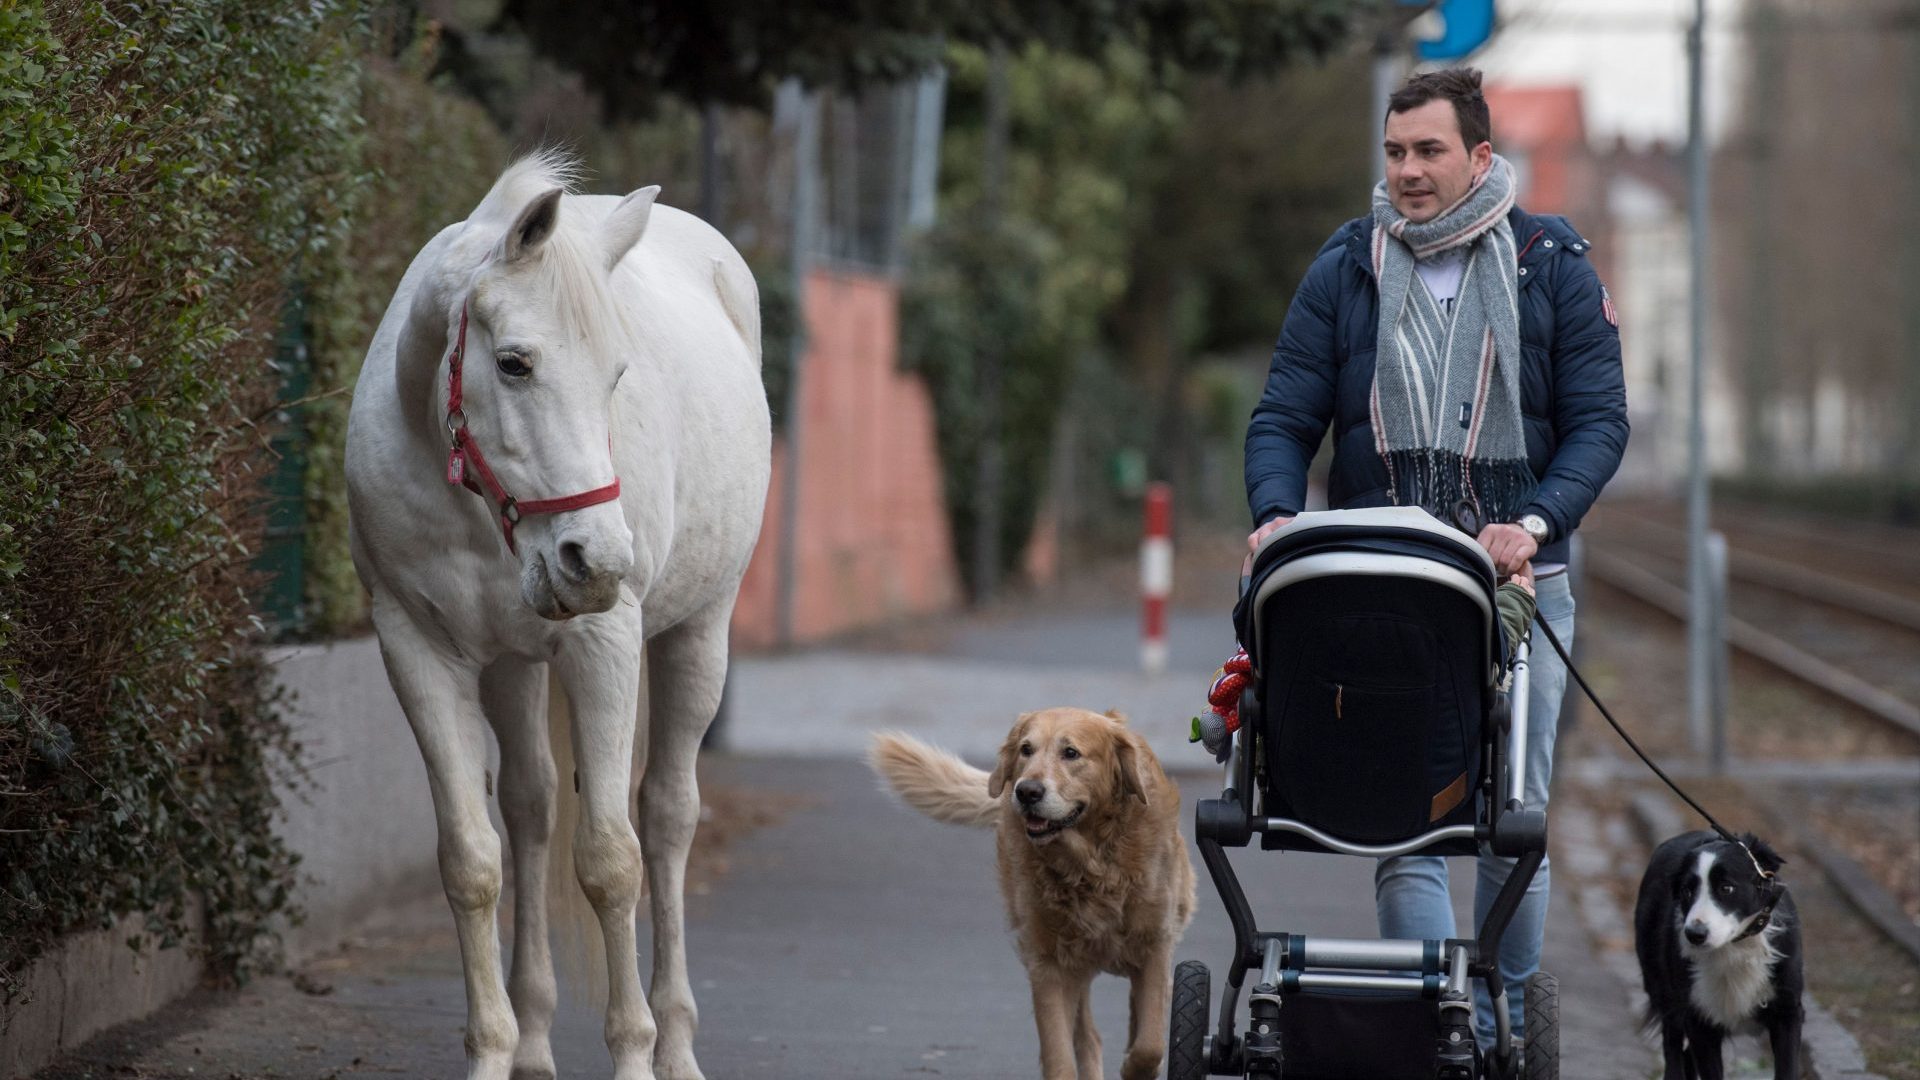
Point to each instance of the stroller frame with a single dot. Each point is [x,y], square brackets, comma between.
[1292,964]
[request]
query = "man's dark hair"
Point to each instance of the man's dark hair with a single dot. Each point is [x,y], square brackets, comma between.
[1460,85]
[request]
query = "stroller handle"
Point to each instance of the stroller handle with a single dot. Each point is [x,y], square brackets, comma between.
[1517,700]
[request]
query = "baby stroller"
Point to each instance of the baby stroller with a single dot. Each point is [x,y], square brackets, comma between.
[1373,725]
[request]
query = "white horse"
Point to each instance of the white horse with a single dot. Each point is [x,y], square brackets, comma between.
[558,457]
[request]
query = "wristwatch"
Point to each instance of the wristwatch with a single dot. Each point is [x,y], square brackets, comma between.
[1536,527]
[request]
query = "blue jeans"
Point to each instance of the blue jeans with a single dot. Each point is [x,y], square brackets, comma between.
[1410,892]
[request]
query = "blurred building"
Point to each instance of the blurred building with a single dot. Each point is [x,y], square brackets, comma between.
[871,540]
[1630,201]
[1542,130]
[1646,199]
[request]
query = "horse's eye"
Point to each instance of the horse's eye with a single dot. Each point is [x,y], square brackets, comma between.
[514,364]
[1069,753]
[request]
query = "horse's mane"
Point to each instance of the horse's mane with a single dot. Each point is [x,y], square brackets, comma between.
[528,175]
[570,267]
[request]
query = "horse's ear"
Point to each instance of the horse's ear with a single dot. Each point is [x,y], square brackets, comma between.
[626,223]
[535,224]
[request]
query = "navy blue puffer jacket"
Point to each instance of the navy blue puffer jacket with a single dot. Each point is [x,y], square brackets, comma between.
[1573,397]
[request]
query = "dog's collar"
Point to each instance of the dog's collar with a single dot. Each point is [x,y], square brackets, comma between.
[1775,887]
[1765,918]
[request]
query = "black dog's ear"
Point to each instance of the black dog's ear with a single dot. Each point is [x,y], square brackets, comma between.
[1763,853]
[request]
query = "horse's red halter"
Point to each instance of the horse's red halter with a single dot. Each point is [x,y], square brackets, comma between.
[466,448]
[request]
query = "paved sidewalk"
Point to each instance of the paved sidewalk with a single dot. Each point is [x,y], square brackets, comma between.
[850,938]
[827,702]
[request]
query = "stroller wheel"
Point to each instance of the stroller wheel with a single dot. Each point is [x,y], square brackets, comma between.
[1543,1027]
[1187,1028]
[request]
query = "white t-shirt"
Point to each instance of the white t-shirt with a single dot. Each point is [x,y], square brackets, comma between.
[1442,274]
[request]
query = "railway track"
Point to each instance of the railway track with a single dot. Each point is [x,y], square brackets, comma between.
[1848,626]
[1849,638]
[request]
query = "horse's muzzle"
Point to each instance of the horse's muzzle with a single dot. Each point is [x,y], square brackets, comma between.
[576,586]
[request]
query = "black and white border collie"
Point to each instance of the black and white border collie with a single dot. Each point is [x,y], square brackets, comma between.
[1719,947]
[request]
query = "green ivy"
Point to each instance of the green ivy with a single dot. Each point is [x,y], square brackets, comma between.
[429,157]
[1029,291]
[978,294]
[164,168]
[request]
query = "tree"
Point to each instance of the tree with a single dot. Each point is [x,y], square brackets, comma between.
[1231,215]
[733,51]
[1016,294]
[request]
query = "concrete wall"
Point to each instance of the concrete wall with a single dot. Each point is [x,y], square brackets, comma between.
[90,984]
[873,537]
[363,827]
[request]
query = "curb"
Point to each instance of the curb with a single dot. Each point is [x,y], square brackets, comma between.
[89,982]
[1832,1051]
[362,823]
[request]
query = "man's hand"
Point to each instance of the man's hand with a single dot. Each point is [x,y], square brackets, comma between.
[1254,538]
[1272,526]
[1523,577]
[1509,546]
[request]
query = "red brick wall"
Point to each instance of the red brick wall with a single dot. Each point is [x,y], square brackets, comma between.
[872,538]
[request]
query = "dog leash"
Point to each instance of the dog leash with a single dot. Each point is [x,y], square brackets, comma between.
[1774,887]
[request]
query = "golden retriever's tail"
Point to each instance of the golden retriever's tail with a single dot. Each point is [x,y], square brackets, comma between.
[933,781]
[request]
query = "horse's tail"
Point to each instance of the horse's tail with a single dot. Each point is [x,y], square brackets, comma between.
[580,957]
[740,297]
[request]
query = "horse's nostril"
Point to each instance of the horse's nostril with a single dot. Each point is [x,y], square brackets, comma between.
[573,563]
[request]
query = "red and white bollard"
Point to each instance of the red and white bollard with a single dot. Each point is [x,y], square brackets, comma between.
[1156,577]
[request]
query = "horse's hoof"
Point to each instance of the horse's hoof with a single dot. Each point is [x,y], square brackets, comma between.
[489,1069]
[679,1068]
[533,1059]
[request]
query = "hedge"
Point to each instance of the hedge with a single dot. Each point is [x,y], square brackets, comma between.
[430,155]
[165,168]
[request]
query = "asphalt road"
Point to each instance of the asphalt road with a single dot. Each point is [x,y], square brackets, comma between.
[848,938]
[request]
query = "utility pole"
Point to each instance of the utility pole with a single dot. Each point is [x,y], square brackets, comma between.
[1904,467]
[1760,352]
[804,107]
[990,468]
[1386,78]
[1700,619]
[710,164]
[923,185]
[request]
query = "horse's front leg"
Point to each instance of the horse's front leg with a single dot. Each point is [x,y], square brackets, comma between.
[513,692]
[600,668]
[686,668]
[440,693]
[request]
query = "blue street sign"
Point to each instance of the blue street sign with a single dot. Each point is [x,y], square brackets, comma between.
[1469,23]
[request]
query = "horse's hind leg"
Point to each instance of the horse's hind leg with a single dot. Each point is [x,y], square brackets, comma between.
[686,668]
[440,695]
[513,693]
[600,669]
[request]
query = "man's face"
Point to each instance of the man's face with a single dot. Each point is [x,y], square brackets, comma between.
[1429,167]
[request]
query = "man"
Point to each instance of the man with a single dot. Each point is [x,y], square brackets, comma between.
[1464,351]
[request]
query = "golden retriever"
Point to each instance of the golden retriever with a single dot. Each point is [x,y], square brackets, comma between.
[1092,866]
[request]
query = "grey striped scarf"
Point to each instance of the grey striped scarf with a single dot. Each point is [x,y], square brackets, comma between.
[1446,391]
